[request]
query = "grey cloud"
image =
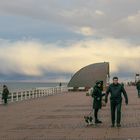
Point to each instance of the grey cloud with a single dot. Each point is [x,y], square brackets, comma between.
[79,13]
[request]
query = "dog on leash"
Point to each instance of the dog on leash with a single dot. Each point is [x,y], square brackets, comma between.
[88,120]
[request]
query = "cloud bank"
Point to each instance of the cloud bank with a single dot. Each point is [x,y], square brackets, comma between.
[33,58]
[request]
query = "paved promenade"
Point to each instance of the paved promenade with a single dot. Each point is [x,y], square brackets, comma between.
[60,117]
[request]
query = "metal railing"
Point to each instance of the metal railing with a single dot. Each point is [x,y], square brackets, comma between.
[36,93]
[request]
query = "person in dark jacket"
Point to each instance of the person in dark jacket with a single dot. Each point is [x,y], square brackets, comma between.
[116,90]
[138,88]
[97,99]
[5,94]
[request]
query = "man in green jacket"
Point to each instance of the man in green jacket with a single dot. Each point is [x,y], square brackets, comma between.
[115,89]
[138,88]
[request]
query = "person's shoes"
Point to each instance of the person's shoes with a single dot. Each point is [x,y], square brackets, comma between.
[98,121]
[118,125]
[112,125]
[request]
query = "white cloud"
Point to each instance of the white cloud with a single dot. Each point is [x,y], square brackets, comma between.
[131,22]
[86,31]
[100,13]
[126,27]
[134,18]
[34,58]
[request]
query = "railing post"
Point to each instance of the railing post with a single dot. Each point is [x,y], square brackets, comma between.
[60,90]
[52,91]
[47,92]
[16,96]
[29,94]
[0,98]
[42,92]
[36,93]
[33,94]
[21,96]
[56,90]
[25,95]
[12,98]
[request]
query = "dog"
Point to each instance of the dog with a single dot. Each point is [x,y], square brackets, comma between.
[88,120]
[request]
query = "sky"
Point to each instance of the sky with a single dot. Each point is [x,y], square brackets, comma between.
[50,40]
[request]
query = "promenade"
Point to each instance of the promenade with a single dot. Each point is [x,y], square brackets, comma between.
[60,117]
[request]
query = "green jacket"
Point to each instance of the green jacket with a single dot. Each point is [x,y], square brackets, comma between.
[138,85]
[5,93]
[97,97]
[116,93]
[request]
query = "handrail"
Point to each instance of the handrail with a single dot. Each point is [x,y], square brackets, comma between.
[35,93]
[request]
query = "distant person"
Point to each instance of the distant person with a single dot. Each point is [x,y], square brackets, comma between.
[116,90]
[60,84]
[97,96]
[122,84]
[138,88]
[5,94]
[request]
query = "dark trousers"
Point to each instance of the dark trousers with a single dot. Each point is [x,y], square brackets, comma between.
[96,114]
[115,105]
[5,100]
[138,92]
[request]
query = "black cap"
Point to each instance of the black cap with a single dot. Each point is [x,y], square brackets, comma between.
[98,82]
[115,78]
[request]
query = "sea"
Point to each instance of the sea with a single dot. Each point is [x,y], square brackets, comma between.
[21,86]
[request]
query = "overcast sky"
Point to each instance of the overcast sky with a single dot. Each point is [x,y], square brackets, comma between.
[49,40]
